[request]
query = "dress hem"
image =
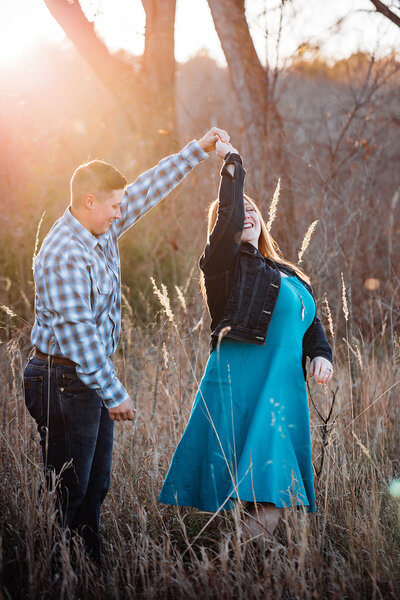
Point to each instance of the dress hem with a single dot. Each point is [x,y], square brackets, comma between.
[311,508]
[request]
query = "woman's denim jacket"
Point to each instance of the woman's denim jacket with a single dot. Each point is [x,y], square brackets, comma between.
[242,285]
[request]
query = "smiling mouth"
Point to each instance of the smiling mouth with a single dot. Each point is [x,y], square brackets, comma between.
[248,226]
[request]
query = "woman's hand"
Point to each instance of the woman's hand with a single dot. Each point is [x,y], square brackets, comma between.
[223,148]
[208,141]
[321,368]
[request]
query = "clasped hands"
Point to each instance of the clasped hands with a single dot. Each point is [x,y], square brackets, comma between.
[218,140]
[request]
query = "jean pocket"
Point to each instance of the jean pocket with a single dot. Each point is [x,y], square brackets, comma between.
[71,384]
[33,393]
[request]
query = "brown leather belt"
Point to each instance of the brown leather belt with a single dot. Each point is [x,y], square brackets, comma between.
[59,360]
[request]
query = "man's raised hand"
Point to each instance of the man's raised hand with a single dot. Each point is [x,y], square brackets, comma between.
[208,141]
[122,412]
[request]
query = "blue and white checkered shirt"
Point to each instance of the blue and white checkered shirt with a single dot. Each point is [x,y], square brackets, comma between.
[77,278]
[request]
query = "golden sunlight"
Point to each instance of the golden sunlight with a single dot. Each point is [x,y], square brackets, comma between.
[13,46]
[24,26]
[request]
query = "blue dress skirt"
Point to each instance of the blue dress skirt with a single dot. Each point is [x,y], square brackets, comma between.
[248,434]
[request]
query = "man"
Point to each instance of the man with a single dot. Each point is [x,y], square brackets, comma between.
[71,388]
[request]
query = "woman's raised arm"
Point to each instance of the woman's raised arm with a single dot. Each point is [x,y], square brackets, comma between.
[225,238]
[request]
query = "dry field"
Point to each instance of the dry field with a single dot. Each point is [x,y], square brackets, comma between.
[349,549]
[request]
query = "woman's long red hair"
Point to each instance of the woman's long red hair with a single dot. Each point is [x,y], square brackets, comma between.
[266,243]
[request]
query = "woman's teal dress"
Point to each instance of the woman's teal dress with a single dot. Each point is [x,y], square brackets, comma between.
[248,435]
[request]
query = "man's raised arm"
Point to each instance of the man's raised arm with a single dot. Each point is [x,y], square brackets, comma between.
[153,185]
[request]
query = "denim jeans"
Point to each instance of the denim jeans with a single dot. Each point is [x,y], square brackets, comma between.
[74,428]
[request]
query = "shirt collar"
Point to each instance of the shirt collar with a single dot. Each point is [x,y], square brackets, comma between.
[83,234]
[103,239]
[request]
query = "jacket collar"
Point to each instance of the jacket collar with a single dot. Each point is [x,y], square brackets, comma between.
[248,248]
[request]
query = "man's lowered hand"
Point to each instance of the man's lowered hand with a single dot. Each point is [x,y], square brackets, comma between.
[122,412]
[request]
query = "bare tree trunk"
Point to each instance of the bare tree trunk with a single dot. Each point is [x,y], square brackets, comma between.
[263,144]
[159,73]
[248,80]
[147,96]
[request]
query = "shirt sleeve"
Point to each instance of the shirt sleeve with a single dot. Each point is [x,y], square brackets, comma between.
[153,185]
[67,288]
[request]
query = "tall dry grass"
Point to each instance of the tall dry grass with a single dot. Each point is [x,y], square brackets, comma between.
[348,549]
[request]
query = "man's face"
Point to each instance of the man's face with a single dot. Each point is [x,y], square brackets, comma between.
[103,212]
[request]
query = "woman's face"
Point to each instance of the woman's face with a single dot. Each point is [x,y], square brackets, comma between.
[252,225]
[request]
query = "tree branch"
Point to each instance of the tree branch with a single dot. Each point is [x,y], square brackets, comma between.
[146,96]
[385,10]
[116,75]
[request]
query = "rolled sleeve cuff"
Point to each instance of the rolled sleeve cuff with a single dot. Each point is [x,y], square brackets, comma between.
[193,153]
[114,395]
[233,159]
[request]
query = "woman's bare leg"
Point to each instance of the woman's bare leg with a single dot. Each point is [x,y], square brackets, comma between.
[262,516]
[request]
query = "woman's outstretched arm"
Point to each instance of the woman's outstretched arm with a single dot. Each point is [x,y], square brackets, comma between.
[225,238]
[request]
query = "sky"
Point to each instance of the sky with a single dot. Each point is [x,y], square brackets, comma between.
[121,23]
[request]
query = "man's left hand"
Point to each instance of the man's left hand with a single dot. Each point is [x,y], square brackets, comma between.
[321,369]
[123,412]
[208,141]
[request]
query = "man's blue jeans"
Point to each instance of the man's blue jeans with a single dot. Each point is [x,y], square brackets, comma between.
[74,426]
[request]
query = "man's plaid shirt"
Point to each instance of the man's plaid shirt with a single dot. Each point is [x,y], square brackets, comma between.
[77,278]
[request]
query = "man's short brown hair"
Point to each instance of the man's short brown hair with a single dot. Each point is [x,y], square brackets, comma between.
[95,177]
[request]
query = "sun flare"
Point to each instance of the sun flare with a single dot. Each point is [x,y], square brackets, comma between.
[13,47]
[24,26]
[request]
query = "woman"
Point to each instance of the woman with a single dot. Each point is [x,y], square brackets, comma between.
[248,435]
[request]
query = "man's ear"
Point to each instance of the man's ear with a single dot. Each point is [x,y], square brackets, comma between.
[89,201]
